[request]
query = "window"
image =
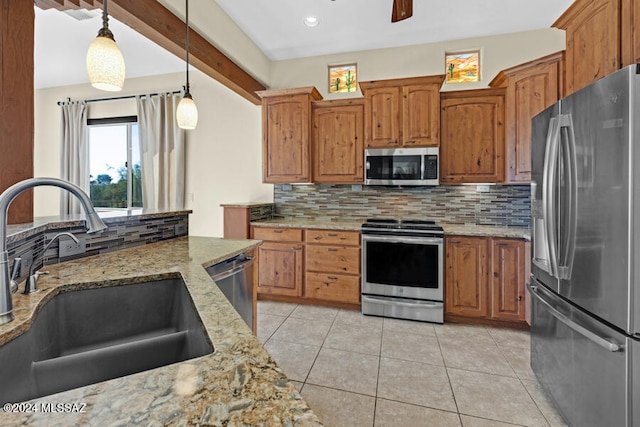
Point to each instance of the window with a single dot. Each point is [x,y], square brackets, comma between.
[114,163]
[463,67]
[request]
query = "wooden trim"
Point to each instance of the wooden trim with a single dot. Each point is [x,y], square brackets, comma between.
[500,80]
[16,103]
[455,318]
[435,79]
[306,90]
[160,25]
[325,103]
[309,301]
[471,93]
[569,15]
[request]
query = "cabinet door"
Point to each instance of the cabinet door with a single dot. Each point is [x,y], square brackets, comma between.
[382,115]
[630,32]
[333,259]
[338,144]
[508,298]
[593,41]
[472,141]
[466,281]
[421,115]
[286,153]
[281,268]
[529,91]
[332,287]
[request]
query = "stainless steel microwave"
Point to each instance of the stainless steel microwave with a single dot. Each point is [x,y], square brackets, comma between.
[401,166]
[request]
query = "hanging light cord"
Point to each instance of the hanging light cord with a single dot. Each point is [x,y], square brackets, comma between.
[187,22]
[105,31]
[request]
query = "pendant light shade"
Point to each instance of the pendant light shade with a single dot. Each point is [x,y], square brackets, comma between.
[187,112]
[105,63]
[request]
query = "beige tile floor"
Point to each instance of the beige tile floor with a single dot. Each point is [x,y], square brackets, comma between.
[357,370]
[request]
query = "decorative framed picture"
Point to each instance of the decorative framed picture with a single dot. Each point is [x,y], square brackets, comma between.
[462,67]
[343,78]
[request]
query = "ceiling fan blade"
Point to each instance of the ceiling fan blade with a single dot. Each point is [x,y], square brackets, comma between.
[402,9]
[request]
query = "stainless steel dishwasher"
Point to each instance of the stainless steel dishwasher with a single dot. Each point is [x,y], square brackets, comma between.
[233,277]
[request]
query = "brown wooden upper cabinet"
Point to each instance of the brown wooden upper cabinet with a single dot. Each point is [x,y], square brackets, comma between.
[472,142]
[402,112]
[338,141]
[594,41]
[530,88]
[630,32]
[286,134]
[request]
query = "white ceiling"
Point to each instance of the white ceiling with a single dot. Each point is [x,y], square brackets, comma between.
[61,44]
[277,28]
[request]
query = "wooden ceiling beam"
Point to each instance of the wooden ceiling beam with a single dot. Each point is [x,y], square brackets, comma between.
[158,24]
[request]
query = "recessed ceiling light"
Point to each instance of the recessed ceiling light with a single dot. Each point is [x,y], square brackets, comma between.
[310,21]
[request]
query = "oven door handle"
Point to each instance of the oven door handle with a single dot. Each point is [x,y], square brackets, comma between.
[386,301]
[407,239]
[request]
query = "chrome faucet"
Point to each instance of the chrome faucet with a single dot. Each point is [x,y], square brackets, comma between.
[93,224]
[31,284]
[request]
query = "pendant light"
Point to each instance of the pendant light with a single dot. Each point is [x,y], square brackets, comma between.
[187,112]
[105,64]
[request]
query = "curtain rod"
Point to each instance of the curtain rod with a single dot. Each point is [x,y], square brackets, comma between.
[115,98]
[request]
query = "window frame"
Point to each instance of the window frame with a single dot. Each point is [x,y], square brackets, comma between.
[129,121]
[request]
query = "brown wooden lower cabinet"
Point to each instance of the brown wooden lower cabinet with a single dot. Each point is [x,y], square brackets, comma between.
[485,277]
[309,265]
[281,268]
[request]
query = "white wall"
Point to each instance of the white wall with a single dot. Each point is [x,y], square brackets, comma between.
[223,154]
[497,53]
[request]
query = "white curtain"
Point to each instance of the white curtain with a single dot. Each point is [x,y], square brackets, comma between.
[74,156]
[162,151]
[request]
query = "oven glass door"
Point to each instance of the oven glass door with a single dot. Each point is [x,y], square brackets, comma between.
[403,266]
[396,167]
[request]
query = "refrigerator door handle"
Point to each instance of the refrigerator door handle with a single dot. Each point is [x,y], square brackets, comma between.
[592,336]
[570,164]
[548,194]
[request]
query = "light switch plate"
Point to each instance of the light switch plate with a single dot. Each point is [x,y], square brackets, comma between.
[482,188]
[67,247]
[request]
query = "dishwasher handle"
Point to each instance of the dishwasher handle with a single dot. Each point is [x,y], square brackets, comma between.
[236,268]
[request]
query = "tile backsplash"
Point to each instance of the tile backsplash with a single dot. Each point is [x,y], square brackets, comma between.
[501,205]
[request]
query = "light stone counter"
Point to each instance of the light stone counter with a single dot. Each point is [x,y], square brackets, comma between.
[293,222]
[449,229]
[486,231]
[238,384]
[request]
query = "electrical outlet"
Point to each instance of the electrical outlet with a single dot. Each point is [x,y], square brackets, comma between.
[67,247]
[482,188]
[180,229]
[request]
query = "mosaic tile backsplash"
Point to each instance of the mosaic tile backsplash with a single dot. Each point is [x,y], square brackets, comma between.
[502,205]
[120,235]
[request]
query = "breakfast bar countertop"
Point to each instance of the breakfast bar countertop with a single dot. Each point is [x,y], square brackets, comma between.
[238,384]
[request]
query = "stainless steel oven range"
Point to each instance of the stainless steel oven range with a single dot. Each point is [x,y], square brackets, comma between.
[402,269]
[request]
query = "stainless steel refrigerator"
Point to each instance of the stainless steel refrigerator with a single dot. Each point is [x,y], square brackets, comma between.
[585,287]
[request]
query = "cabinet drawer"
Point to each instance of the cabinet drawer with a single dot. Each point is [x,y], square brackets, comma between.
[278,234]
[332,287]
[333,259]
[333,237]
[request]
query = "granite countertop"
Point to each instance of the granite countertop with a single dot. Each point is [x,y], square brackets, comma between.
[486,231]
[238,384]
[449,229]
[296,222]
[246,204]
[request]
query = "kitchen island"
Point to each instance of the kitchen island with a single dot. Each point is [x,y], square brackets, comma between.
[238,384]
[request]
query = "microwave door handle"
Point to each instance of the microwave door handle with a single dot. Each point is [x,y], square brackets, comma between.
[548,194]
[423,161]
[590,335]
